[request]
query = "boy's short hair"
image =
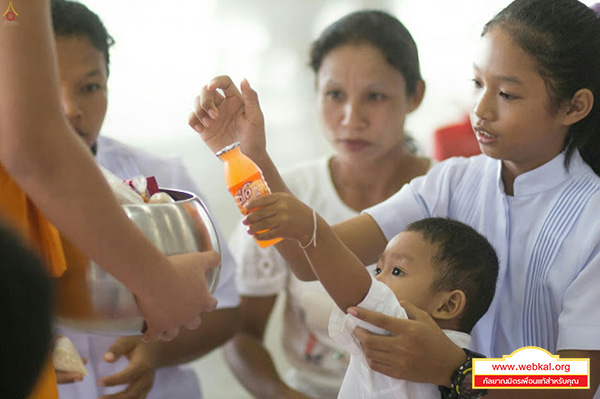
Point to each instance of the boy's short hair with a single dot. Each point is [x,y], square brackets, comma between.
[25,311]
[70,18]
[464,260]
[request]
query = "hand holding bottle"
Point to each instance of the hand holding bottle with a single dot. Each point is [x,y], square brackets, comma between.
[234,116]
[280,215]
[244,180]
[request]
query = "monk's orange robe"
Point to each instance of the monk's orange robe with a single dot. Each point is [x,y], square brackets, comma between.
[24,217]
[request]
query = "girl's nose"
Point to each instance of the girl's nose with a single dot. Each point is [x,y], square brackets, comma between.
[484,106]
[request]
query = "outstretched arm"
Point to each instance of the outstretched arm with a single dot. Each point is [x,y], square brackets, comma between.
[43,155]
[236,116]
[342,274]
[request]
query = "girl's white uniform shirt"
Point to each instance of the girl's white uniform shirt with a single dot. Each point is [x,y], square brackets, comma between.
[547,236]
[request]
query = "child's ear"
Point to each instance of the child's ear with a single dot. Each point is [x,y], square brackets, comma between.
[451,306]
[579,107]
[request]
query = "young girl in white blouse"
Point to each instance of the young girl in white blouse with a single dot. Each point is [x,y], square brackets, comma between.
[534,193]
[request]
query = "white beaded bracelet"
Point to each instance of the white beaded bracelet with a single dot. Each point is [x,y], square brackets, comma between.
[313,239]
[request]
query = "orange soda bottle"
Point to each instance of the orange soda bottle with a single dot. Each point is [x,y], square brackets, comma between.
[244,180]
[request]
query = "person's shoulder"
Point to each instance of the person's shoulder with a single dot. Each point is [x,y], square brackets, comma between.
[475,164]
[578,168]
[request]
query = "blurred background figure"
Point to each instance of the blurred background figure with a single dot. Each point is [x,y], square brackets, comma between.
[126,365]
[26,314]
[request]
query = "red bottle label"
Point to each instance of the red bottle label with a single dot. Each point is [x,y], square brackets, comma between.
[253,187]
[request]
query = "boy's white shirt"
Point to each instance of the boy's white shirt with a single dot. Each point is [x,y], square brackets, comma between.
[362,382]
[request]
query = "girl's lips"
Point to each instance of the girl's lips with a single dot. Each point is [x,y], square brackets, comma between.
[354,145]
[483,137]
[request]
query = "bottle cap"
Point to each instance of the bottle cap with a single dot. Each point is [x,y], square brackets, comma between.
[228,148]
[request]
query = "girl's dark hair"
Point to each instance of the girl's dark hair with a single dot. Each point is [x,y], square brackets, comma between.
[464,260]
[379,29]
[71,18]
[563,37]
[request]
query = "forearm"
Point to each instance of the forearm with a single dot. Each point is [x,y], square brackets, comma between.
[288,249]
[254,368]
[342,274]
[51,164]
[217,328]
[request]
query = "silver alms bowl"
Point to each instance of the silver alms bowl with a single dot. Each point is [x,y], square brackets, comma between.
[90,300]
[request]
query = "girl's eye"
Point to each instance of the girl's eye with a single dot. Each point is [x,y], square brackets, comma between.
[397,271]
[377,271]
[507,96]
[477,84]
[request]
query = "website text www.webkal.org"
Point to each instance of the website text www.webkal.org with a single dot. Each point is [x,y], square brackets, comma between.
[531,367]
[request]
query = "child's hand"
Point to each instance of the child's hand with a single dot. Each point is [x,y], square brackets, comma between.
[279,215]
[223,120]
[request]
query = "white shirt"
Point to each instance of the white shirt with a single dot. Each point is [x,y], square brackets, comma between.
[173,382]
[547,236]
[318,362]
[360,382]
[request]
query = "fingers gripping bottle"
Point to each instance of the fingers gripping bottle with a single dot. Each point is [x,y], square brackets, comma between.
[244,180]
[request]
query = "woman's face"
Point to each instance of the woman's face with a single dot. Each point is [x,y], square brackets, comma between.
[510,115]
[363,103]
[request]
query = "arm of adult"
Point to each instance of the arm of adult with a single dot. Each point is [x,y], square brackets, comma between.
[249,359]
[144,359]
[51,164]
[417,350]
[222,119]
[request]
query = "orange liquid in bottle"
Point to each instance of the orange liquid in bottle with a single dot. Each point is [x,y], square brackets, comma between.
[244,181]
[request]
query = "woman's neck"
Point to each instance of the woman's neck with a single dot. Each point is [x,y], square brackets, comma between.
[362,185]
